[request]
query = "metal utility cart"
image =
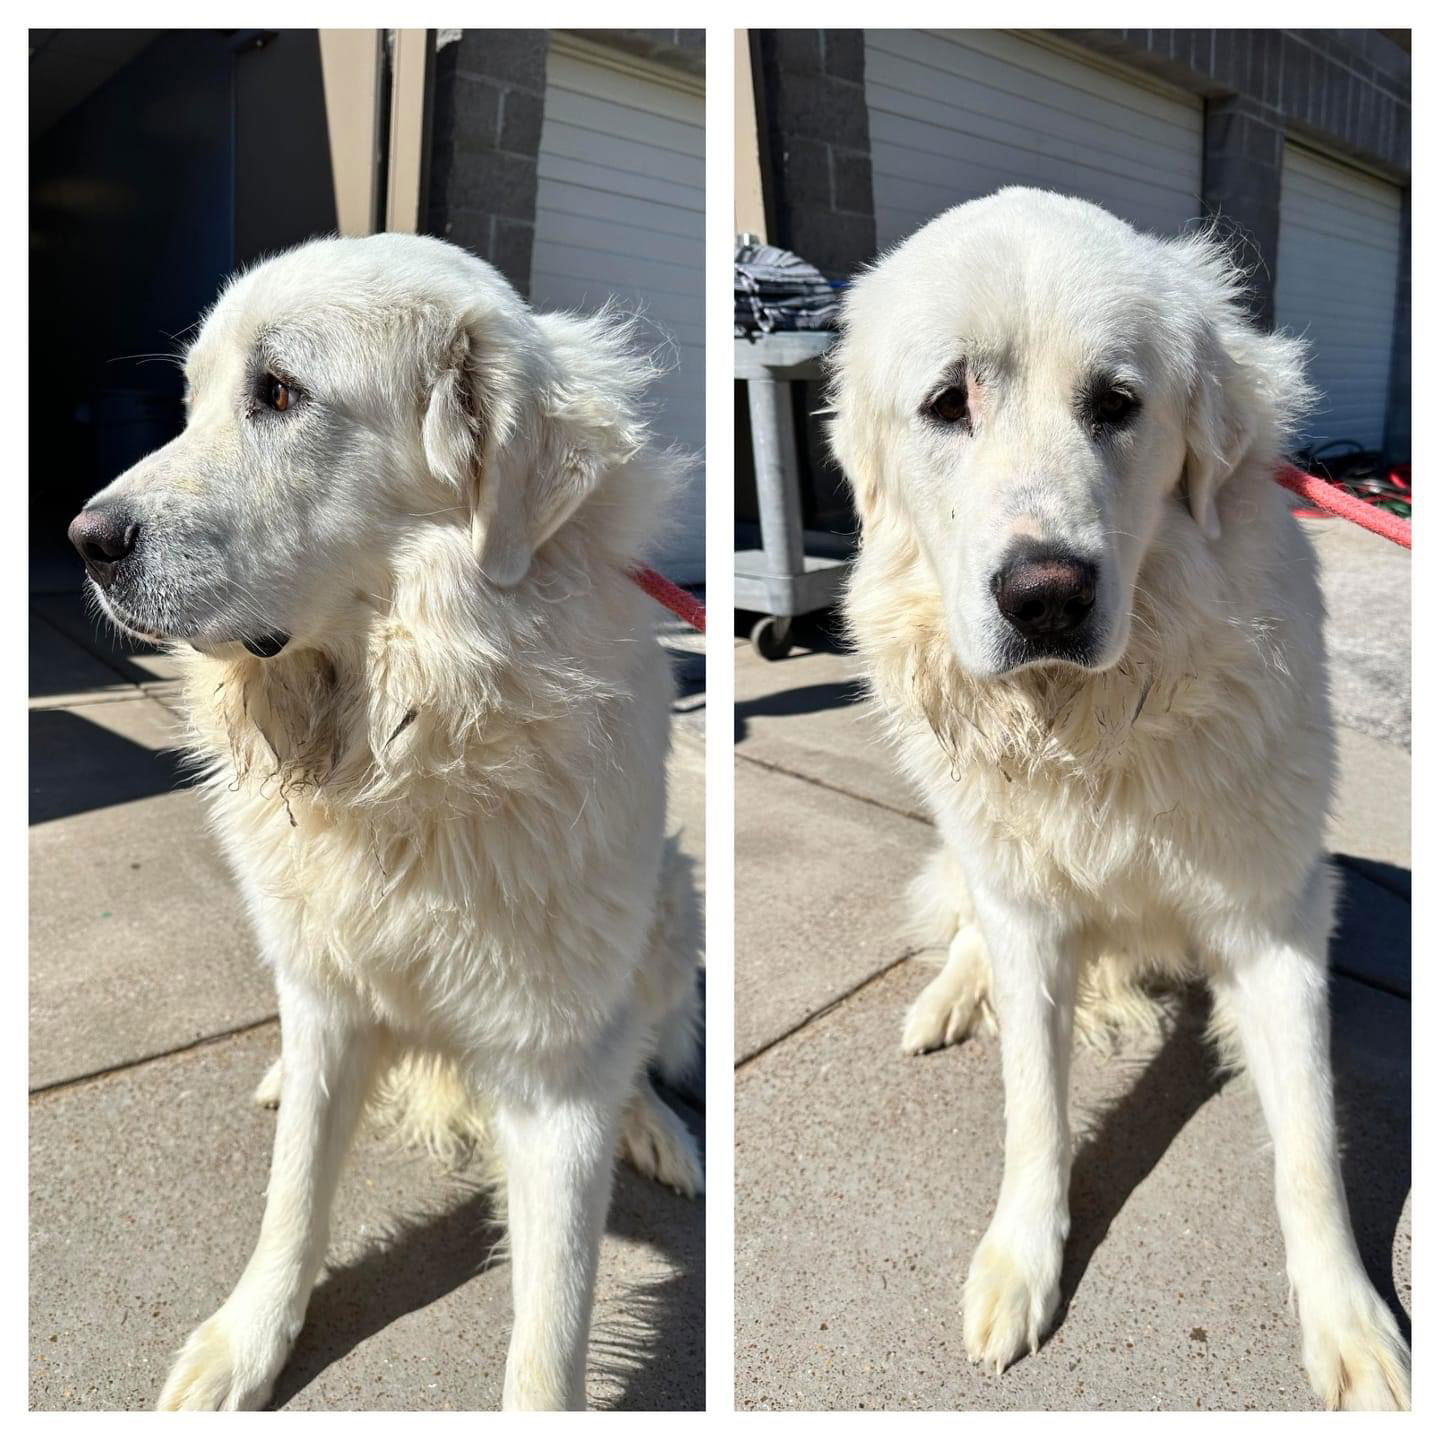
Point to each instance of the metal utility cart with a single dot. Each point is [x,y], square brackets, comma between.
[790,574]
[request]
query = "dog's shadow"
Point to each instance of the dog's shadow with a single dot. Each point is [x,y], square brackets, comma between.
[1125,1142]
[647,1346]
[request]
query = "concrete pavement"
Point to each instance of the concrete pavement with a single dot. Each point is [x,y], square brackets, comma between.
[152,1021]
[865,1178]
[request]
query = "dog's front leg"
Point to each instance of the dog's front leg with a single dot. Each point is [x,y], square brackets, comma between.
[232,1360]
[1013,1286]
[559,1157]
[1274,989]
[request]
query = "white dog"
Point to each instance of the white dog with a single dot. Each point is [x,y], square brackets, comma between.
[392,545]
[1094,629]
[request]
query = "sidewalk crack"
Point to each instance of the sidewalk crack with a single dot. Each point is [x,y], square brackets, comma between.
[108,1072]
[776,768]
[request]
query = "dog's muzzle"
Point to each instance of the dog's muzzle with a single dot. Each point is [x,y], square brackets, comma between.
[105,538]
[1047,598]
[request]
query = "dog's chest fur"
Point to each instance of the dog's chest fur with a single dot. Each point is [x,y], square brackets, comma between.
[476,878]
[1114,797]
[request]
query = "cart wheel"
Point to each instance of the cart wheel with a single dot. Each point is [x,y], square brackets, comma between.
[771,637]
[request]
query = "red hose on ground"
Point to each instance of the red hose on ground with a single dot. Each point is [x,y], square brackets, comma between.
[671,596]
[1337,502]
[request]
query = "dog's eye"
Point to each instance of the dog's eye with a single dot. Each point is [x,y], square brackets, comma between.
[278,395]
[951,405]
[1113,406]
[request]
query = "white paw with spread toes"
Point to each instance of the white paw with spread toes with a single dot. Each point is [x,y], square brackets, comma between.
[1356,1358]
[225,1366]
[1011,1295]
[658,1144]
[956,1002]
[938,1018]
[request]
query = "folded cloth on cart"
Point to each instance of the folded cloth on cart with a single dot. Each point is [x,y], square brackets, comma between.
[777,290]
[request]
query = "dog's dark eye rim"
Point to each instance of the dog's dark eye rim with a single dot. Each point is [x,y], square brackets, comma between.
[1110,405]
[276,392]
[950,405]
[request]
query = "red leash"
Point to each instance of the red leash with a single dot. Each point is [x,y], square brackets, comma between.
[671,596]
[1337,502]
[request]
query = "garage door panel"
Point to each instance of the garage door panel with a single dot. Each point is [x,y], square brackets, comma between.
[916,201]
[599,267]
[957,115]
[619,218]
[678,195]
[612,122]
[1371,231]
[1018,146]
[917,180]
[574,142]
[1022,66]
[617,238]
[600,204]
[605,82]
[1336,271]
[1043,115]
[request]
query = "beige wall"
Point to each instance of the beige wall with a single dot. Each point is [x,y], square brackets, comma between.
[749,194]
[350,63]
[408,74]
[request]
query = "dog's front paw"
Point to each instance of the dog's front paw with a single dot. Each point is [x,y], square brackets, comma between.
[1011,1294]
[656,1142]
[1355,1356]
[955,1003]
[938,1018]
[217,1369]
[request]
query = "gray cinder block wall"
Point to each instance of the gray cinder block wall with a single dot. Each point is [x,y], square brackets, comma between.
[487,109]
[815,139]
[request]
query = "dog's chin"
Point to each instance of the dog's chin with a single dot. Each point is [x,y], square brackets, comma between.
[126,623]
[220,644]
[1009,653]
[1063,652]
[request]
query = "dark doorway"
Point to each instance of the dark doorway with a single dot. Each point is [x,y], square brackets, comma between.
[159,161]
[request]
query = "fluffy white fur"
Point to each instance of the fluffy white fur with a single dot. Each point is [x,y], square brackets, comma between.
[1157,809]
[444,797]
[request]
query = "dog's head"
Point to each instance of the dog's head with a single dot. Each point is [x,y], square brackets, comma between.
[1027,389]
[343,399]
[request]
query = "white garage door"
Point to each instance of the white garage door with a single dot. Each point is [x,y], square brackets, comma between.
[1335,285]
[956,114]
[620,212]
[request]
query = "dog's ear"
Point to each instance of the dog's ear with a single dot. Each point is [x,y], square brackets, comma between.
[470,437]
[1247,389]
[857,437]
[526,429]
[1216,439]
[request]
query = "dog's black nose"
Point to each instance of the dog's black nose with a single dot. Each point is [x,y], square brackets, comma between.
[103,538]
[1044,595]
